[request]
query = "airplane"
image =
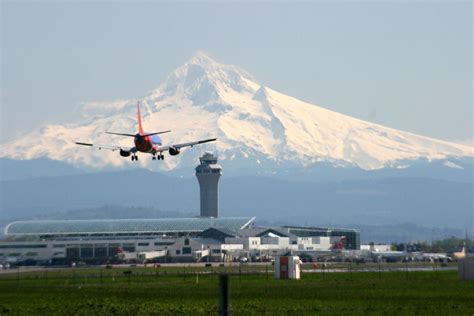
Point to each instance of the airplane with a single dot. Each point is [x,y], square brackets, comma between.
[147,143]
[461,254]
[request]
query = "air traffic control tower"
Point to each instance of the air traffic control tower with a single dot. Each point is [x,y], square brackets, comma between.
[208,174]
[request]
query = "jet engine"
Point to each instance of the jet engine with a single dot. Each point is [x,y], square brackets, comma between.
[125,153]
[174,151]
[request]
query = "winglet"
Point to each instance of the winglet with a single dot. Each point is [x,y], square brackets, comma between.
[140,127]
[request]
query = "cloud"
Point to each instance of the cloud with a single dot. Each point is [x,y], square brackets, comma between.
[93,108]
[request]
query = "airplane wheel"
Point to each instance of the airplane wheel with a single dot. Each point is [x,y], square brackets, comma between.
[162,157]
[153,158]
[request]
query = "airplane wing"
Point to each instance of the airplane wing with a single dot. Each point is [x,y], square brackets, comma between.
[190,144]
[133,135]
[108,147]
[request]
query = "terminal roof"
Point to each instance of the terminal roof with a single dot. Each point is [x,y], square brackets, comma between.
[126,226]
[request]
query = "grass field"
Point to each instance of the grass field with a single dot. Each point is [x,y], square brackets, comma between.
[163,291]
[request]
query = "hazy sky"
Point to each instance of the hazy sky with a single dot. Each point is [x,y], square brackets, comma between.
[401,64]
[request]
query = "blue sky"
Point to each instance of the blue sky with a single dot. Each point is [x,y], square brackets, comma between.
[401,64]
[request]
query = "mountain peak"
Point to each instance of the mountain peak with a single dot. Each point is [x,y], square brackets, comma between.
[201,58]
[202,80]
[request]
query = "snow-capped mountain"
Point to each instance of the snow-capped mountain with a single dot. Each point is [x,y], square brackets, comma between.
[254,124]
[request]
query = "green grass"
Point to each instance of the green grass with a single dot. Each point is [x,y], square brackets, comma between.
[86,292]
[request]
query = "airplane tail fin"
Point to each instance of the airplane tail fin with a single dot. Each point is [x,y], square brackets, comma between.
[140,127]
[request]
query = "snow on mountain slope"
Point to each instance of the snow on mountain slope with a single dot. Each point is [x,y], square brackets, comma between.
[253,123]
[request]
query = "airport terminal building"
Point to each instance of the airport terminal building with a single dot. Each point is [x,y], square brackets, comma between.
[173,240]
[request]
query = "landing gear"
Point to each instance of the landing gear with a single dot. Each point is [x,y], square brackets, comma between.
[158,157]
[134,157]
